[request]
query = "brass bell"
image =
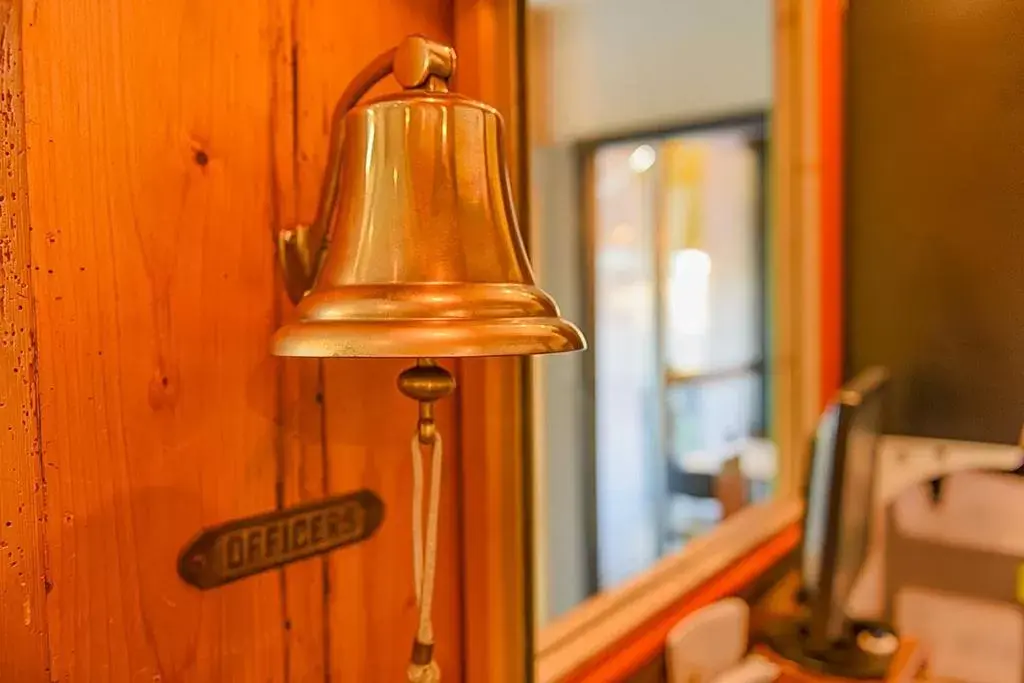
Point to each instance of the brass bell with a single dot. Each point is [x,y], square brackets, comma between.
[419,250]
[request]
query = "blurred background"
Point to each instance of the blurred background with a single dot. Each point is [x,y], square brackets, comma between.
[650,225]
[746,203]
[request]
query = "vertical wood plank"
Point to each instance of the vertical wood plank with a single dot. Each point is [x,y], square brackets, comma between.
[783,240]
[301,474]
[150,145]
[370,610]
[371,603]
[493,393]
[23,654]
[808,225]
[303,479]
[795,261]
[495,560]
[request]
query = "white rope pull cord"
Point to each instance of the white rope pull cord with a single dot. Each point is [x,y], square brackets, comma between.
[424,552]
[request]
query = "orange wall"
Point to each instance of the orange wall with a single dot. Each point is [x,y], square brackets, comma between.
[830,116]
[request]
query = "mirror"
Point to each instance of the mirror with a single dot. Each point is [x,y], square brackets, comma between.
[649,224]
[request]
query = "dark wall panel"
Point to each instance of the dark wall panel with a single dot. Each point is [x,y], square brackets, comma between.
[935,211]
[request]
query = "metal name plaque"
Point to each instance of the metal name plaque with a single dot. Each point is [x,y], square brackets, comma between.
[244,547]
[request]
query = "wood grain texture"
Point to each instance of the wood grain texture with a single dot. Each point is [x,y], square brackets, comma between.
[370,608]
[371,602]
[497,604]
[303,479]
[301,476]
[23,655]
[150,144]
[796,354]
[493,391]
[166,144]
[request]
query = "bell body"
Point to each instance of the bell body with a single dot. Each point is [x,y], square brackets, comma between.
[424,257]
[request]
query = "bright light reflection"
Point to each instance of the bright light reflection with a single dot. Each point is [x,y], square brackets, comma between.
[642,158]
[689,308]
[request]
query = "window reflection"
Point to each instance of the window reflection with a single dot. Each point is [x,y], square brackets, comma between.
[653,242]
[625,314]
[678,339]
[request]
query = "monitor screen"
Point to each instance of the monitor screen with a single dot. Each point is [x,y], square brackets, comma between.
[857,504]
[818,484]
[840,497]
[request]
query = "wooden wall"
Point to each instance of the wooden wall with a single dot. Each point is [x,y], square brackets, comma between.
[804,230]
[494,394]
[23,649]
[151,150]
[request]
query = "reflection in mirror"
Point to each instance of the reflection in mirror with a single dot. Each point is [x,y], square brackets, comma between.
[648,219]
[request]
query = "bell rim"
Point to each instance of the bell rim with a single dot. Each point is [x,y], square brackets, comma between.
[371,302]
[445,338]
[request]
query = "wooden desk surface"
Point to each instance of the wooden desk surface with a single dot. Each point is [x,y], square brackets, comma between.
[779,602]
[907,665]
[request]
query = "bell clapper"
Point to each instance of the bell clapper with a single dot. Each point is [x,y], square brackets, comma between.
[425,383]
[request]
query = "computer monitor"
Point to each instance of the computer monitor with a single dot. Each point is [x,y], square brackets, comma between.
[840,502]
[837,522]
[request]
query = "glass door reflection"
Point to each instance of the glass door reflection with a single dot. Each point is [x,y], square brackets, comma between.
[679,341]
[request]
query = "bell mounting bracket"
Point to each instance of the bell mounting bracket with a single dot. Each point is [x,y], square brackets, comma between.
[417,64]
